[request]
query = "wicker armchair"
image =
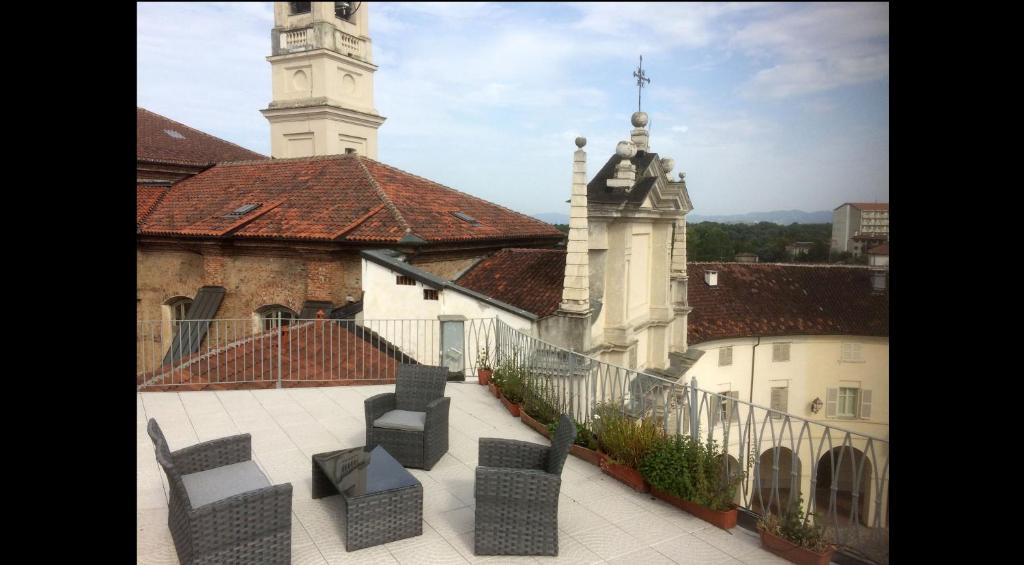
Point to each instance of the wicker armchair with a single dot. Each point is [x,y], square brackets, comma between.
[222,509]
[412,422]
[517,486]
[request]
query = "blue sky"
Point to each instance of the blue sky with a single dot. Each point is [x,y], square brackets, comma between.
[764,106]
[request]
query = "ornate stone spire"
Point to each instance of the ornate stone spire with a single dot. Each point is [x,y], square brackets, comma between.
[576,286]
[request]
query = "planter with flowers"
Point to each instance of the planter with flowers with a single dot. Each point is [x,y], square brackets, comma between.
[795,537]
[624,443]
[483,366]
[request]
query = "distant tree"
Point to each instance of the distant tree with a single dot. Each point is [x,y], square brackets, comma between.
[713,241]
[564,228]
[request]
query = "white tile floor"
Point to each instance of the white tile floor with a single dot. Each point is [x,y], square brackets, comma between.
[600,520]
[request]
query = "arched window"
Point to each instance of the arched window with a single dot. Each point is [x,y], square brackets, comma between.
[275,315]
[179,306]
[299,7]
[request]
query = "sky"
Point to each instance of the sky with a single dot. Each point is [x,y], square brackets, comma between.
[765,106]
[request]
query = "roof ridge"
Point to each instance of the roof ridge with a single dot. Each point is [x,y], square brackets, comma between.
[200,132]
[384,197]
[156,204]
[276,160]
[453,189]
[774,264]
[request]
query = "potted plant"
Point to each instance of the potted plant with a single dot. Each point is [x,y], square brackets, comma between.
[510,385]
[540,406]
[585,445]
[691,475]
[483,366]
[624,443]
[795,537]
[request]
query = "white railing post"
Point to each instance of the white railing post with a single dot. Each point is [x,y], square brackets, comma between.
[279,354]
[694,404]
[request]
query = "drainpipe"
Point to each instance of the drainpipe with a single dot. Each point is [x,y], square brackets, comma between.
[753,355]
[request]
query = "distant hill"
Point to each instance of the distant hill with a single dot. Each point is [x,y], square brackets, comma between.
[553,218]
[784,217]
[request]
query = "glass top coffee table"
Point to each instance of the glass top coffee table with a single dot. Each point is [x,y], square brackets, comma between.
[383,502]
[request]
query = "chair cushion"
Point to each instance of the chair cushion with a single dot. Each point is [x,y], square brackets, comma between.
[402,420]
[219,483]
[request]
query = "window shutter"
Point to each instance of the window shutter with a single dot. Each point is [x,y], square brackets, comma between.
[780,401]
[725,356]
[831,398]
[847,351]
[715,408]
[780,352]
[865,404]
[731,407]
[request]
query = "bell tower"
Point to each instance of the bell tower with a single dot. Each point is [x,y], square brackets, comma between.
[322,67]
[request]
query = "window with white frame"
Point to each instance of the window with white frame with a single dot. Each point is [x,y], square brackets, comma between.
[727,408]
[179,309]
[847,404]
[273,317]
[780,352]
[852,353]
[725,356]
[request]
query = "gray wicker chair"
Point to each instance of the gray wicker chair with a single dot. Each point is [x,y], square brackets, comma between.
[412,422]
[222,509]
[517,486]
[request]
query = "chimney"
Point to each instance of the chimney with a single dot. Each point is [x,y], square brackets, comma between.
[576,285]
[711,277]
[625,171]
[640,136]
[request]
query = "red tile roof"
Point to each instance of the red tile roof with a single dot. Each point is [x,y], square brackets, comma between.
[767,299]
[337,197]
[879,250]
[147,196]
[872,206]
[164,140]
[530,279]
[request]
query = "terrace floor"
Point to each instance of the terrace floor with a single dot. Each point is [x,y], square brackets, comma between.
[600,520]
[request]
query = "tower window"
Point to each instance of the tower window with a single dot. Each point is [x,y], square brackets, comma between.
[429,294]
[350,151]
[343,10]
[275,316]
[404,280]
[299,7]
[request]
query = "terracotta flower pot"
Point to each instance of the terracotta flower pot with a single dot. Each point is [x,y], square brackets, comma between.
[623,473]
[792,552]
[588,455]
[484,376]
[512,408]
[494,389]
[530,421]
[724,519]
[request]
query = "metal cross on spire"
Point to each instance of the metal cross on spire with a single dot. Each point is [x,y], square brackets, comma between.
[641,78]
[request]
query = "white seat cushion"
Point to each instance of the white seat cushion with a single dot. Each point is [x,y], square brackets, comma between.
[402,420]
[219,483]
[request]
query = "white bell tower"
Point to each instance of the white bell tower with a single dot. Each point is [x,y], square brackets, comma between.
[322,66]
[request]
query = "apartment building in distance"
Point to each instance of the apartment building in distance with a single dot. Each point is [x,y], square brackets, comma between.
[854,222]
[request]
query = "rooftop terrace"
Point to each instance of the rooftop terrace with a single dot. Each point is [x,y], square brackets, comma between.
[600,520]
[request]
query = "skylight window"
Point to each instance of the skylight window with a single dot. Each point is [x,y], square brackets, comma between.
[174,134]
[466,218]
[242,210]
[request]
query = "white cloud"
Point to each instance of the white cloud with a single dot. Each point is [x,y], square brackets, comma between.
[680,129]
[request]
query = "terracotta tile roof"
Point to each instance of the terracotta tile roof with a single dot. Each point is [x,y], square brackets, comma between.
[879,250]
[164,140]
[770,299]
[338,197]
[530,279]
[871,206]
[147,196]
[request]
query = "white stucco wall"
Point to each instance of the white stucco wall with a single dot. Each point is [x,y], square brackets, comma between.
[815,364]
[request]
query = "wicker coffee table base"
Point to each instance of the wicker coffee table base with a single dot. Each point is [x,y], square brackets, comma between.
[378,518]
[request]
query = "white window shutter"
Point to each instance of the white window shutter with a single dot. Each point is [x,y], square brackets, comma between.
[780,401]
[847,351]
[865,404]
[831,399]
[731,407]
[715,408]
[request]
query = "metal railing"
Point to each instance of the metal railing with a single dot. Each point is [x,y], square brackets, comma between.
[842,475]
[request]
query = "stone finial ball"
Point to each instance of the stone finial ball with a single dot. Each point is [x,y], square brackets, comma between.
[682,175]
[625,149]
[668,163]
[639,119]
[581,141]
